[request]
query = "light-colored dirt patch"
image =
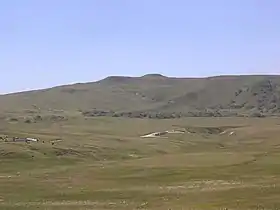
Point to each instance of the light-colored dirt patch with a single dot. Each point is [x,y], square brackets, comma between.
[160,134]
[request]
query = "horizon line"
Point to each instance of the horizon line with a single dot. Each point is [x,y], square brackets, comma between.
[130,76]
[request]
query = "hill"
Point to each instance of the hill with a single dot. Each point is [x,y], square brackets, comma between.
[155,95]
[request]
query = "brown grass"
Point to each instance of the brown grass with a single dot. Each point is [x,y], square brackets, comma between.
[102,163]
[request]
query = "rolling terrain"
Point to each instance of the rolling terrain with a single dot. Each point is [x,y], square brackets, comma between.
[103,163]
[93,151]
[154,94]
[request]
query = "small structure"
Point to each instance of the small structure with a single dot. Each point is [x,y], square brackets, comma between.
[17,139]
[32,139]
[27,140]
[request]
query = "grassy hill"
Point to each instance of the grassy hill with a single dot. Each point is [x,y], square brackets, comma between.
[105,163]
[155,94]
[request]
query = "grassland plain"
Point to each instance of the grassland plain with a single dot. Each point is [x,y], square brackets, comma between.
[102,163]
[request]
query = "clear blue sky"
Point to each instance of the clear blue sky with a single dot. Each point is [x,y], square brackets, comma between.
[45,43]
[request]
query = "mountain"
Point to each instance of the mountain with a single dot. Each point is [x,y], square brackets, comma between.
[157,94]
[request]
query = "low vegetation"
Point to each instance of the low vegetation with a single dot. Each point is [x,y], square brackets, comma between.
[103,163]
[81,146]
[155,96]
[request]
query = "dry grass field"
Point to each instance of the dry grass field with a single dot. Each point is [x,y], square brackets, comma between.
[102,163]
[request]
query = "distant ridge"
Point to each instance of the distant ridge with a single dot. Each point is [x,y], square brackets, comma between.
[155,94]
[116,79]
[153,76]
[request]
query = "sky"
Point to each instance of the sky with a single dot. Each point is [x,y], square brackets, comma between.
[52,42]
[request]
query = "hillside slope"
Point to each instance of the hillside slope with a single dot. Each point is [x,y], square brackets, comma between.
[155,94]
